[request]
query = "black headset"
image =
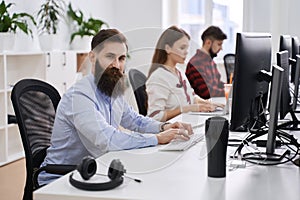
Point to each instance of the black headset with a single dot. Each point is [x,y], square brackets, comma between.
[88,167]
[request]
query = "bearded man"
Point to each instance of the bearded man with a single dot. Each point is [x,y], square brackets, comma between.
[90,113]
[201,70]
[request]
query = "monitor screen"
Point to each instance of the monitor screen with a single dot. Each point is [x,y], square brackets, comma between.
[253,54]
[285,43]
[285,100]
[274,99]
[295,47]
[286,104]
[296,88]
[295,51]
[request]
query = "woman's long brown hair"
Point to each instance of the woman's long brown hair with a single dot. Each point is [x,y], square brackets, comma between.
[168,37]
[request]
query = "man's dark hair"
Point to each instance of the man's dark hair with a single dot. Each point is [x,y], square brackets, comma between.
[213,33]
[107,35]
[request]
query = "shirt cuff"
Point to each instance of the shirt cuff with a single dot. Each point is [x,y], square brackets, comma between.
[152,139]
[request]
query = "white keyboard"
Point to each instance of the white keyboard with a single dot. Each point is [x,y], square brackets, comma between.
[213,113]
[182,145]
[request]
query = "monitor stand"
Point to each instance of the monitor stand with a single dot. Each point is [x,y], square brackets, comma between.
[265,158]
[290,125]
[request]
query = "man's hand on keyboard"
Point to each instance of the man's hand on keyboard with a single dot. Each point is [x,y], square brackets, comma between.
[170,134]
[179,125]
[181,145]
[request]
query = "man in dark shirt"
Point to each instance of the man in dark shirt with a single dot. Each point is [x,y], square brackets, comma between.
[201,70]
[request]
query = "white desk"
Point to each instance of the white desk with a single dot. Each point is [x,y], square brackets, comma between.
[182,175]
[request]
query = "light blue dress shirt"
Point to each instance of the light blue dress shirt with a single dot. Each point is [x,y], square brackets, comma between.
[87,123]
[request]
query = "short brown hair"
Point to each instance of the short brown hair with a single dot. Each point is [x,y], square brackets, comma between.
[107,35]
[213,32]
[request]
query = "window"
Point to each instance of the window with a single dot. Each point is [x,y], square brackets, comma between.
[196,15]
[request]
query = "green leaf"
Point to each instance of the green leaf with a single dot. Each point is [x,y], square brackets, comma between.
[88,27]
[4,8]
[22,26]
[23,15]
[49,15]
[16,20]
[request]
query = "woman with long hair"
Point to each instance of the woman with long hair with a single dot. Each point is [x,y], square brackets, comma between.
[169,92]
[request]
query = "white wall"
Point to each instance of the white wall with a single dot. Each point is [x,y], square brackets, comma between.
[141,22]
[274,16]
[133,14]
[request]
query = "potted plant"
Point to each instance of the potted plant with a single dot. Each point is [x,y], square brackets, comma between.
[49,15]
[83,29]
[10,23]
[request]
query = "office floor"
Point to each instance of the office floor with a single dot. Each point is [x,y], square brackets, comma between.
[12,180]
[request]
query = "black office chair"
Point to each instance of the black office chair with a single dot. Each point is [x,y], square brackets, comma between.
[137,80]
[229,60]
[35,104]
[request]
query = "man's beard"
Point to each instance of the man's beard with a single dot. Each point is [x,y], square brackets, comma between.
[109,81]
[212,54]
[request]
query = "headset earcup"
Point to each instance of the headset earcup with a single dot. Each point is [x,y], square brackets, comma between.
[87,168]
[116,169]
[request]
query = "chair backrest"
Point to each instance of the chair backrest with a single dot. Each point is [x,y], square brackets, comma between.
[229,60]
[35,104]
[137,80]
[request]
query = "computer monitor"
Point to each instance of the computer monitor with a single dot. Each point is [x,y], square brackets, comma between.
[269,156]
[285,100]
[295,51]
[250,95]
[295,46]
[285,43]
[296,83]
[274,99]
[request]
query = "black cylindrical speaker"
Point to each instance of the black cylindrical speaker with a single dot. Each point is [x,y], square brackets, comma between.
[216,135]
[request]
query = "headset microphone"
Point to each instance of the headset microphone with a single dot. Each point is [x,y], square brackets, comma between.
[135,179]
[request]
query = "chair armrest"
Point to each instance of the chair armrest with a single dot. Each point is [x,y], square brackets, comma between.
[52,169]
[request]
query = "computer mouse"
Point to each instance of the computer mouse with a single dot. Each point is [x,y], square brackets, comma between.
[219,108]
